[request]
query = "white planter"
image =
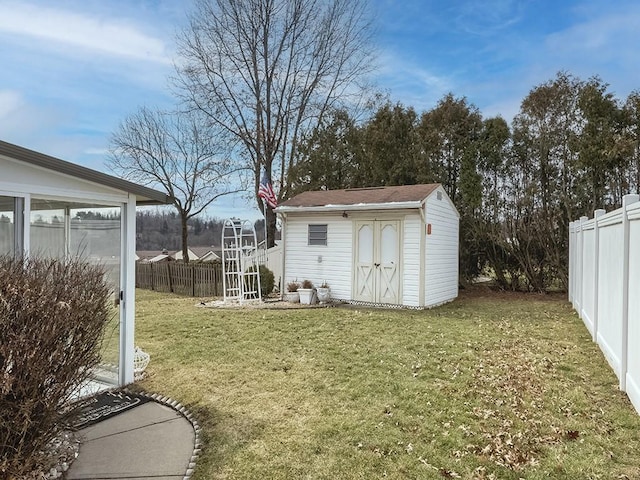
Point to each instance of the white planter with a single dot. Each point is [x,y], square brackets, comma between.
[324,294]
[292,297]
[306,295]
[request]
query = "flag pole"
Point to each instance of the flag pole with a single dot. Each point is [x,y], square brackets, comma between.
[264,212]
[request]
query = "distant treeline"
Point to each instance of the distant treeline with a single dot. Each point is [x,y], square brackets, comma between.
[157,230]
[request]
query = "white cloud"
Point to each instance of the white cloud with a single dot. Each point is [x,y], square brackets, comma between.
[25,124]
[612,35]
[97,151]
[602,43]
[410,83]
[10,102]
[100,35]
[489,16]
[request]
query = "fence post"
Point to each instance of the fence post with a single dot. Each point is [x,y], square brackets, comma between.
[193,280]
[626,201]
[169,276]
[575,274]
[572,261]
[153,278]
[596,269]
[579,265]
[218,275]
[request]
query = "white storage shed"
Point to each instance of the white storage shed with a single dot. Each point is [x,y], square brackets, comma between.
[378,246]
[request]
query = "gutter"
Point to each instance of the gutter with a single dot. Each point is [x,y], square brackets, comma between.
[16,153]
[351,207]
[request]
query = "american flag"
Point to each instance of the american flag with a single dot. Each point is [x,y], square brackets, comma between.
[265,191]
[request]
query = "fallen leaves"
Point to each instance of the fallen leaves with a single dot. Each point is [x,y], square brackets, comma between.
[572,435]
[510,381]
[446,473]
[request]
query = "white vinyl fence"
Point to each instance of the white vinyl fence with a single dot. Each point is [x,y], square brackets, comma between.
[272,258]
[604,287]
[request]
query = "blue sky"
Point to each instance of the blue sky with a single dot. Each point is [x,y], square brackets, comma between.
[73,69]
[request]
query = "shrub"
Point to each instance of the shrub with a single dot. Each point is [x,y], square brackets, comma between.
[267,281]
[52,318]
[307,284]
[293,287]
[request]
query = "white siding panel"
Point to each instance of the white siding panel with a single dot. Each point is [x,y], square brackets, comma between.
[411,261]
[24,178]
[633,352]
[588,269]
[331,263]
[441,255]
[610,298]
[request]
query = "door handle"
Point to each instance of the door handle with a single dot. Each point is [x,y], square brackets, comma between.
[118,299]
[376,265]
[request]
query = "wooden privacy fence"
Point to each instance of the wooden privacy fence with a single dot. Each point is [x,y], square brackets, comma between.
[194,279]
[604,286]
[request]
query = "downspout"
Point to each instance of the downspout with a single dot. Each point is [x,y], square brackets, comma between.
[422,210]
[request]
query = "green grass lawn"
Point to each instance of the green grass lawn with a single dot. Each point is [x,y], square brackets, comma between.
[490,386]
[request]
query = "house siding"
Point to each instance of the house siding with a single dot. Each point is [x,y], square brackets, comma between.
[336,258]
[441,251]
[19,177]
[411,260]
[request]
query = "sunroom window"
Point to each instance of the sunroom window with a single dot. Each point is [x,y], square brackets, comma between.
[11,225]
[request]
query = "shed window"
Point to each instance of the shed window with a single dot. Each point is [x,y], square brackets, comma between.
[318,234]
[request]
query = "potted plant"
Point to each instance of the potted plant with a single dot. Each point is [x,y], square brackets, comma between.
[292,295]
[306,292]
[324,292]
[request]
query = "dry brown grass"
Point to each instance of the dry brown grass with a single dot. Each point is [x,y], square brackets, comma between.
[491,386]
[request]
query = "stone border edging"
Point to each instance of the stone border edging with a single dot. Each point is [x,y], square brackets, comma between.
[184,411]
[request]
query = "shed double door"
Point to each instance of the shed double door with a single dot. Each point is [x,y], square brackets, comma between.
[377,261]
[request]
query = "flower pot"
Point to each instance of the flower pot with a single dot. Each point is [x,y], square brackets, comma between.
[324,294]
[306,295]
[292,297]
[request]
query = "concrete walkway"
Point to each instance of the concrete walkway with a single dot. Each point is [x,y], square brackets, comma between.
[148,441]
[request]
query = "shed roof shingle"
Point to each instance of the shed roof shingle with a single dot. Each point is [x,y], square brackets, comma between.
[360,196]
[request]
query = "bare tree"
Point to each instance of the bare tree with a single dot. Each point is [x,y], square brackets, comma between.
[267,71]
[178,153]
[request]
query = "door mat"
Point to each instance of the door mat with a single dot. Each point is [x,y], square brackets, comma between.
[103,406]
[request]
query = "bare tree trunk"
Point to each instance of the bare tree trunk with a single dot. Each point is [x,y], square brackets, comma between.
[179,153]
[185,235]
[266,72]
[271,228]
